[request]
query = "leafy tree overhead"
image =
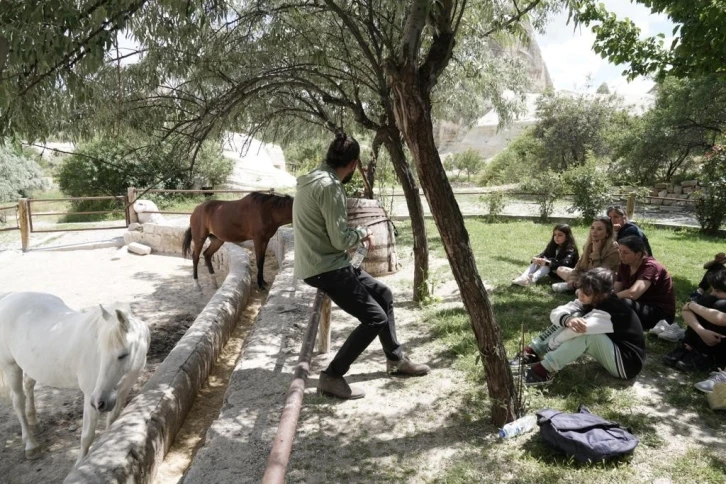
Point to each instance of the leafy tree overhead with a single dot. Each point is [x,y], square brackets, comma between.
[699,46]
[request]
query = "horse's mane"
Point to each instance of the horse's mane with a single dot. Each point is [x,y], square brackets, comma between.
[275,201]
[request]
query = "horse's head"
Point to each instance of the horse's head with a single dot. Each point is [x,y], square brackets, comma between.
[122,345]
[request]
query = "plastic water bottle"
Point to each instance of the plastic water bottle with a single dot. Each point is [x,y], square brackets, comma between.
[519,426]
[360,254]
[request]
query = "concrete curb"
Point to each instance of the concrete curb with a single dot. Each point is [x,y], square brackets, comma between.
[136,443]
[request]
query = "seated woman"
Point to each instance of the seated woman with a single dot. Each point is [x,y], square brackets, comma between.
[560,252]
[705,342]
[644,284]
[600,250]
[597,323]
[624,227]
[715,265]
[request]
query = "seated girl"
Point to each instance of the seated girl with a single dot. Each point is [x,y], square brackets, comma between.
[644,284]
[560,252]
[715,265]
[600,250]
[704,344]
[597,323]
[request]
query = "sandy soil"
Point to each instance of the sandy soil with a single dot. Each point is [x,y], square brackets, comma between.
[160,291]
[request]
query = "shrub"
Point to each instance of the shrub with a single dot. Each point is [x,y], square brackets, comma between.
[590,188]
[516,163]
[711,201]
[470,162]
[495,202]
[19,174]
[547,187]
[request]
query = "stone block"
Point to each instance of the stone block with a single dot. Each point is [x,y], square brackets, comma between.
[687,190]
[133,226]
[663,193]
[657,201]
[667,202]
[138,248]
[660,186]
[678,189]
[689,183]
[150,228]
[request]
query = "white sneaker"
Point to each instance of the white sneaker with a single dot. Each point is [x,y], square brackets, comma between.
[659,327]
[707,385]
[522,281]
[672,333]
[561,287]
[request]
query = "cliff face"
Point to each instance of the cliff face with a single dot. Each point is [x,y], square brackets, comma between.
[484,136]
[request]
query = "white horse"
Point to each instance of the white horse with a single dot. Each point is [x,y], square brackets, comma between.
[101,351]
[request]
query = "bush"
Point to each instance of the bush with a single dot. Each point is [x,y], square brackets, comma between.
[711,201]
[516,163]
[495,202]
[19,174]
[470,162]
[590,188]
[302,157]
[547,187]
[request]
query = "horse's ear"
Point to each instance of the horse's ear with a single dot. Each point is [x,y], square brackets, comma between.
[123,320]
[105,314]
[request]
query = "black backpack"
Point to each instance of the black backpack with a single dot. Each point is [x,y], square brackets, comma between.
[585,436]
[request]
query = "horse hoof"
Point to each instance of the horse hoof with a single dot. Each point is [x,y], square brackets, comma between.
[32,454]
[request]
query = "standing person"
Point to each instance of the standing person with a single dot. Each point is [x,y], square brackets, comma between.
[644,284]
[600,250]
[704,344]
[715,265]
[322,238]
[597,323]
[625,228]
[560,252]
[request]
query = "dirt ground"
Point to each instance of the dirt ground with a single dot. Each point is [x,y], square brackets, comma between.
[160,291]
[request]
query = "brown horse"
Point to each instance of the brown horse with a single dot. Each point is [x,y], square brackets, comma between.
[256,216]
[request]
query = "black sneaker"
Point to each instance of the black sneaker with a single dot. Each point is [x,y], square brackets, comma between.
[674,356]
[533,379]
[694,361]
[524,359]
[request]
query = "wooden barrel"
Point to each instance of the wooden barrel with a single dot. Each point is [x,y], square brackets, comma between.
[382,259]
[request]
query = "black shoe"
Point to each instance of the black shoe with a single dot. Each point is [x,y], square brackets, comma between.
[694,361]
[524,359]
[674,356]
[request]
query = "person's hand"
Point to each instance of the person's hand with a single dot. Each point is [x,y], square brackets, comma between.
[720,258]
[368,239]
[709,337]
[687,306]
[539,261]
[617,227]
[578,325]
[596,244]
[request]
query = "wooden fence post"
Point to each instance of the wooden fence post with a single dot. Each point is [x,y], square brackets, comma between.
[324,329]
[630,209]
[24,222]
[131,198]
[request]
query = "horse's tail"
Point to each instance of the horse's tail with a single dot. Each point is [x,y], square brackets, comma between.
[187,244]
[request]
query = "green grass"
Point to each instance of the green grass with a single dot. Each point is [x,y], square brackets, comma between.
[502,251]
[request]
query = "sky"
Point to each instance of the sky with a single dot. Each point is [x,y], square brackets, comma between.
[570,58]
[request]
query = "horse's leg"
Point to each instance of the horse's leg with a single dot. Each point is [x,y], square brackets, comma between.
[90,418]
[14,377]
[260,249]
[29,387]
[214,245]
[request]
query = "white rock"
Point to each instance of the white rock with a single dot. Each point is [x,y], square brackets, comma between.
[143,206]
[137,248]
[134,226]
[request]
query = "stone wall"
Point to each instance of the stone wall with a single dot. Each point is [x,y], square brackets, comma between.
[672,194]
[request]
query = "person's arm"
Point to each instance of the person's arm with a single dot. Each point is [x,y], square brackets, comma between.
[707,336]
[612,258]
[332,206]
[594,322]
[561,314]
[634,291]
[567,261]
[618,287]
[713,316]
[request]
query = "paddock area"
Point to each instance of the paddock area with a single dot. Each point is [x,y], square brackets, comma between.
[160,291]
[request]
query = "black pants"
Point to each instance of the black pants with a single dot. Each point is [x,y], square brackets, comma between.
[717,352]
[704,285]
[362,296]
[648,315]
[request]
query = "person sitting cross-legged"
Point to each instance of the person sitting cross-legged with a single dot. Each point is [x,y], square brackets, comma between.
[597,323]
[644,284]
[715,265]
[625,228]
[704,344]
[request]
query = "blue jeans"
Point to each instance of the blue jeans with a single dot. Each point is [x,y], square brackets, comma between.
[371,301]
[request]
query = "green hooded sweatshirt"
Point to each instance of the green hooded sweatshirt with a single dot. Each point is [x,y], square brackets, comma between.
[320,221]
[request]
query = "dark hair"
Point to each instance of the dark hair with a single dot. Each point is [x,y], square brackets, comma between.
[569,244]
[717,280]
[342,150]
[608,225]
[617,209]
[634,243]
[597,282]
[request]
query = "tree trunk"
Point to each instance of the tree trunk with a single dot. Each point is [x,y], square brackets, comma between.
[413,116]
[393,143]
